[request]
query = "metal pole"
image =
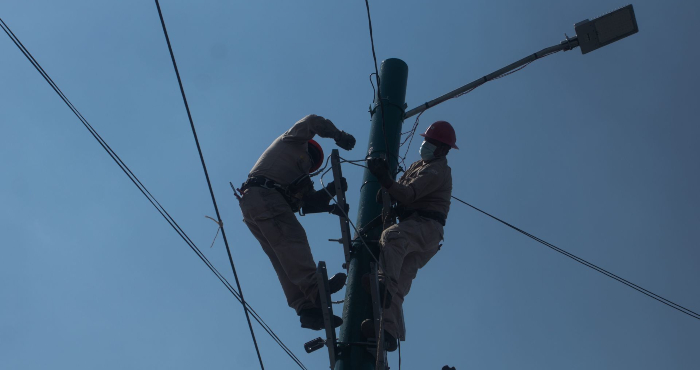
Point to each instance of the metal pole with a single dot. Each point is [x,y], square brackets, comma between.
[565,45]
[393,76]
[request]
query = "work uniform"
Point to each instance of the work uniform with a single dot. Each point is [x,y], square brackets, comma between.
[269,214]
[423,194]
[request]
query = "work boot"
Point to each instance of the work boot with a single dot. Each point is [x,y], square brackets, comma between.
[390,343]
[337,282]
[382,289]
[312,318]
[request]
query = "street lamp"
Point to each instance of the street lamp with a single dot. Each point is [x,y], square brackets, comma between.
[590,35]
[606,29]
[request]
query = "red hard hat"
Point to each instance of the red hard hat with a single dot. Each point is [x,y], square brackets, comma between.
[443,132]
[316,155]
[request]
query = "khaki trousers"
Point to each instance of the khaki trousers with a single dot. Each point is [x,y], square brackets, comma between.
[272,222]
[406,248]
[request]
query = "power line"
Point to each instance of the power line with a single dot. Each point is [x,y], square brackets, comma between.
[211,191]
[376,74]
[141,187]
[591,265]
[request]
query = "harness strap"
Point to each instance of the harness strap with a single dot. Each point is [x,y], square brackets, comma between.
[264,182]
[437,216]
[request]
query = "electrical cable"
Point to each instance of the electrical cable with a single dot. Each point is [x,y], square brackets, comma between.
[140,185]
[321,169]
[409,138]
[353,160]
[399,354]
[354,163]
[211,190]
[376,73]
[591,265]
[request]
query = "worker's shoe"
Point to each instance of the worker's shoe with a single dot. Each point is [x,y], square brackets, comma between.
[337,282]
[390,343]
[382,289]
[312,318]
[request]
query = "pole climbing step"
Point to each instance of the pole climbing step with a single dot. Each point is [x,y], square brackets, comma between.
[324,292]
[377,310]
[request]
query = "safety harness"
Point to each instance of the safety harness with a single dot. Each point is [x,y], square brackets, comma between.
[293,193]
[403,213]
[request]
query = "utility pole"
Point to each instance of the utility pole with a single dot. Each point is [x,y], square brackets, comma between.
[383,142]
[385,134]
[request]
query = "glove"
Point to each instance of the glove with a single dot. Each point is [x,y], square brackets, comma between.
[380,169]
[343,185]
[336,210]
[344,140]
[310,208]
[380,197]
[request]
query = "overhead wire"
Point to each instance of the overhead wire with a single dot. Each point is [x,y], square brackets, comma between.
[211,190]
[139,185]
[590,265]
[354,162]
[376,74]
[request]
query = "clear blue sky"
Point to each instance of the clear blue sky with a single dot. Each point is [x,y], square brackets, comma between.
[595,153]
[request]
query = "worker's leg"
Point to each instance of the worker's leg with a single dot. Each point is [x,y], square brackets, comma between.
[394,243]
[285,243]
[411,264]
[422,244]
[295,297]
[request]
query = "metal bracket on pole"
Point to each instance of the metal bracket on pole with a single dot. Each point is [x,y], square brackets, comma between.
[340,199]
[377,310]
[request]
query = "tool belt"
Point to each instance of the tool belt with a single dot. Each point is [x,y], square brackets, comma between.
[261,182]
[403,213]
[293,194]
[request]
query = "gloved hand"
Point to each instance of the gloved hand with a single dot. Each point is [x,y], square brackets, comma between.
[336,210]
[343,185]
[380,169]
[345,140]
[380,197]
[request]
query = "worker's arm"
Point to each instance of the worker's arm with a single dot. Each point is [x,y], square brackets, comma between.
[309,126]
[427,180]
[318,201]
[408,189]
[312,125]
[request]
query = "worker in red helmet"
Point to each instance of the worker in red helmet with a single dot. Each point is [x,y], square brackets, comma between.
[422,202]
[278,186]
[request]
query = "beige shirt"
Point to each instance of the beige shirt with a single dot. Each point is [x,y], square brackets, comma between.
[287,158]
[425,186]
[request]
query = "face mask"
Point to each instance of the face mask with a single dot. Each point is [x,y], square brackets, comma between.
[427,151]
